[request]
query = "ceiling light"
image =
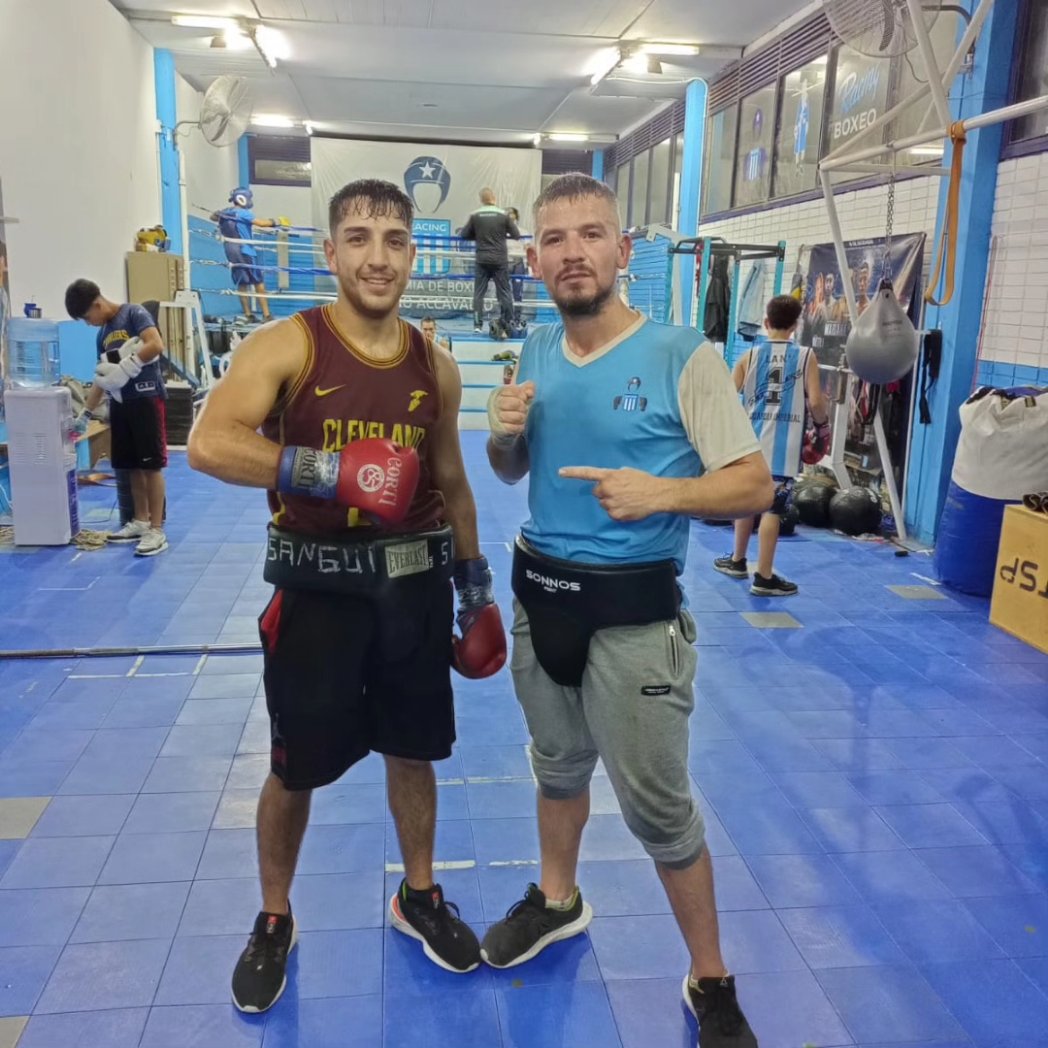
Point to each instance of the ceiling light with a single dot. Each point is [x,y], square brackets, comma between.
[234,40]
[642,64]
[203,22]
[536,139]
[565,136]
[309,127]
[273,45]
[668,49]
[931,150]
[604,63]
[272,120]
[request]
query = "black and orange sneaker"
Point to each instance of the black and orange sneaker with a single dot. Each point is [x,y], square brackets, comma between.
[446,939]
[716,1009]
[261,973]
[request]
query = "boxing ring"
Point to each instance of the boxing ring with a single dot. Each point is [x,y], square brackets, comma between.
[291,261]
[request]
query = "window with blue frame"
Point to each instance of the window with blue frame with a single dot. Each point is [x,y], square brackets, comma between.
[753,153]
[719,162]
[767,145]
[860,96]
[279,160]
[909,78]
[1031,80]
[798,146]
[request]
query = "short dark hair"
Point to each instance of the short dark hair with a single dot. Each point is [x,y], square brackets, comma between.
[427,319]
[80,296]
[380,199]
[783,312]
[572,186]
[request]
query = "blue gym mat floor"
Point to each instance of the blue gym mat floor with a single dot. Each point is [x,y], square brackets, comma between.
[872,770]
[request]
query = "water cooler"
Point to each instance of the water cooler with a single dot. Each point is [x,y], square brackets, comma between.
[43,466]
[40,438]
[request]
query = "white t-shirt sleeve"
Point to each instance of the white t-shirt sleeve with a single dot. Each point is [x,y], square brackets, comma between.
[716,422]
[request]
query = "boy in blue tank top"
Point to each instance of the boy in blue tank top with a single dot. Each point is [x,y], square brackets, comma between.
[237,225]
[780,388]
[628,428]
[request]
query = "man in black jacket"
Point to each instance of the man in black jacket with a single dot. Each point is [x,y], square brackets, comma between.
[491,227]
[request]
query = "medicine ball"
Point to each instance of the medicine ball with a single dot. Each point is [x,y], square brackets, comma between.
[788,520]
[812,503]
[856,511]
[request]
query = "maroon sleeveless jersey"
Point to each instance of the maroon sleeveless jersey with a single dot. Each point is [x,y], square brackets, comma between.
[343,395]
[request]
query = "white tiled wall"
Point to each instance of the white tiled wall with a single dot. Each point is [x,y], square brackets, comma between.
[862,214]
[1015,333]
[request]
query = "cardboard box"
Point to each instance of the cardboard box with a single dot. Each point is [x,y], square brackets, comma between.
[97,438]
[1020,590]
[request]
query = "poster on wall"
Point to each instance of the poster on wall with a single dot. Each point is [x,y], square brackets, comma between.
[444,184]
[825,325]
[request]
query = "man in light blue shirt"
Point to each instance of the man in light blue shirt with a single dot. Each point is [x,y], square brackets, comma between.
[628,428]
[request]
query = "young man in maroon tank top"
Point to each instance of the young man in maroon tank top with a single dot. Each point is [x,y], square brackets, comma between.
[348,416]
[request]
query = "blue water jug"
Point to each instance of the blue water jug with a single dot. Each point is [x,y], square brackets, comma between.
[33,352]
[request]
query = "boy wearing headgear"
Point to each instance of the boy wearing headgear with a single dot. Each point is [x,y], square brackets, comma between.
[236,223]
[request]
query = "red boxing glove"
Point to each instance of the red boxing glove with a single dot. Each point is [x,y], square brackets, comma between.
[811,451]
[481,650]
[374,475]
[377,477]
[816,444]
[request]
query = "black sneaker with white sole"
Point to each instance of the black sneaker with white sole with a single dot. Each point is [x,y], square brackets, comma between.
[261,973]
[776,586]
[446,939]
[716,1009]
[730,566]
[531,926]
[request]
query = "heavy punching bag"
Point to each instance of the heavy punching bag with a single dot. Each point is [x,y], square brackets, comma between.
[812,502]
[883,344]
[788,520]
[856,511]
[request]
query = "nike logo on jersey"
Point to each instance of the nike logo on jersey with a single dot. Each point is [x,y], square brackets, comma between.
[324,392]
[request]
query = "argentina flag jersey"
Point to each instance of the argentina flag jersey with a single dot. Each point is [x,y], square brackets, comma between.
[773,397]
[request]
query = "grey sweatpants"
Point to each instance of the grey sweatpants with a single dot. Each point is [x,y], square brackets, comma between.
[632,711]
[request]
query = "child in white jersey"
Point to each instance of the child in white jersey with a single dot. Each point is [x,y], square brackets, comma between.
[779,383]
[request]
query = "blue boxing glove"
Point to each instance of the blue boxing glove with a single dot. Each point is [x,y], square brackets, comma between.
[481,650]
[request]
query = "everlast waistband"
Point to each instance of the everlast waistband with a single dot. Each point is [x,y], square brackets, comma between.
[309,562]
[567,603]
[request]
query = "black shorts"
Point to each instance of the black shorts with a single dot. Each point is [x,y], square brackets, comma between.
[346,674]
[246,276]
[138,433]
[783,495]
